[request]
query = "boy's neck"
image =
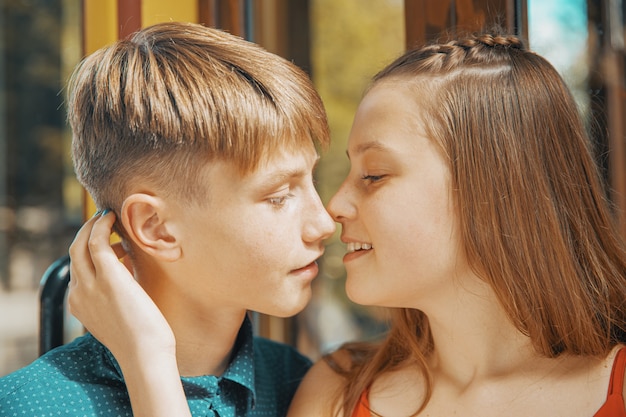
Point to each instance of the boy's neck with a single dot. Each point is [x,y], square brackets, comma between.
[206,351]
[205,333]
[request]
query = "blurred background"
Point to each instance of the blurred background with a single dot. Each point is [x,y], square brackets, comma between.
[340,43]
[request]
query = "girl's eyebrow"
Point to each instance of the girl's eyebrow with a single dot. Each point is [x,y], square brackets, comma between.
[363,147]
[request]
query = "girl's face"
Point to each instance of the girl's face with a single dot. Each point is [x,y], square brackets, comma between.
[395,207]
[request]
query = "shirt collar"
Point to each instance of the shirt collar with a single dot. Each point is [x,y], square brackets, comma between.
[241,369]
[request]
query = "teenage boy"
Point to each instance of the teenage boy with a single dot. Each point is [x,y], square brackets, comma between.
[203,146]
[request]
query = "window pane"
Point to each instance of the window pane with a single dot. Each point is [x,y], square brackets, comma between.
[39,199]
[557,30]
[351,41]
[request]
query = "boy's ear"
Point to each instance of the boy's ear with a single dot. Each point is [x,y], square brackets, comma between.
[146,222]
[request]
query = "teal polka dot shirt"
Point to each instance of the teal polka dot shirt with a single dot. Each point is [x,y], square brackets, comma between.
[82,378]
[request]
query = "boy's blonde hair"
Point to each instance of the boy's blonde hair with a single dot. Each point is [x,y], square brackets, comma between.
[159,106]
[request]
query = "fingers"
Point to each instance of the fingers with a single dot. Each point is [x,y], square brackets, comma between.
[101,231]
[81,264]
[79,245]
[100,237]
[104,255]
[87,251]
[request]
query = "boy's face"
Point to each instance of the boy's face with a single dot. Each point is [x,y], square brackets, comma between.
[254,243]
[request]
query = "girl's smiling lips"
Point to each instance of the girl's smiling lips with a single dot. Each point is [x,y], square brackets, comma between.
[355,249]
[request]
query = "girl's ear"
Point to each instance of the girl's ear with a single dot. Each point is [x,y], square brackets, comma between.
[146,222]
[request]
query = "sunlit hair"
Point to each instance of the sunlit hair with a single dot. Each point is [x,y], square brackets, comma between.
[161,105]
[534,220]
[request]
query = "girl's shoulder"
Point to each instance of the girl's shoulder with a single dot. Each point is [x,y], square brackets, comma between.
[319,393]
[618,376]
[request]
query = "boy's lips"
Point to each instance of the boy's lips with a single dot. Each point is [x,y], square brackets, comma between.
[308,272]
[311,263]
[305,266]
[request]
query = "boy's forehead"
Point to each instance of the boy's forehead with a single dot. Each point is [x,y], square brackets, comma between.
[226,183]
[286,161]
[281,168]
[275,168]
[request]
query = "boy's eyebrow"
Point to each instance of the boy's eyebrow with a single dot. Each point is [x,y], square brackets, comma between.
[282,175]
[363,147]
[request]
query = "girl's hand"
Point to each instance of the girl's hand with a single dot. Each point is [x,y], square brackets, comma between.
[105,297]
[107,300]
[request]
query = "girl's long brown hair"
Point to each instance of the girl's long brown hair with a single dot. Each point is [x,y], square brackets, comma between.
[535,221]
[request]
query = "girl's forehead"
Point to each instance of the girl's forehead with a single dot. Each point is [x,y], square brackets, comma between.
[385,113]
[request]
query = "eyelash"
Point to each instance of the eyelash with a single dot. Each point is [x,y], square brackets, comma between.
[279,201]
[371,178]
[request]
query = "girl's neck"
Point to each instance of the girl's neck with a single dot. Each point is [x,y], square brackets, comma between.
[474,336]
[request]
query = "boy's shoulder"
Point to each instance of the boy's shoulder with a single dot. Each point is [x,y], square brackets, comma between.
[279,369]
[283,358]
[59,363]
[66,378]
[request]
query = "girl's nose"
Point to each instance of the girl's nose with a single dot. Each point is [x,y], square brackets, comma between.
[340,206]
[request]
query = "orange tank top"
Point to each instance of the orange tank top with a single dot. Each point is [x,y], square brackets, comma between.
[613,407]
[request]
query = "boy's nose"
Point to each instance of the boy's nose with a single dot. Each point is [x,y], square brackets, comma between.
[320,226]
[329,225]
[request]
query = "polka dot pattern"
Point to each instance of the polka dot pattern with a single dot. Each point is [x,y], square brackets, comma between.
[82,378]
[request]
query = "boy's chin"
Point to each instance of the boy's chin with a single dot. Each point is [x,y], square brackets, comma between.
[289,310]
[284,313]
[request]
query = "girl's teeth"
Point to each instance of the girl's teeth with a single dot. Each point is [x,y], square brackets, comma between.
[355,246]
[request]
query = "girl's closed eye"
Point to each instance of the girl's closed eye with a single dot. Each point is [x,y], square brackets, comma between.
[369,179]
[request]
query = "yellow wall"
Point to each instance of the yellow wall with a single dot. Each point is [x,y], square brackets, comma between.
[100,29]
[155,11]
[100,24]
